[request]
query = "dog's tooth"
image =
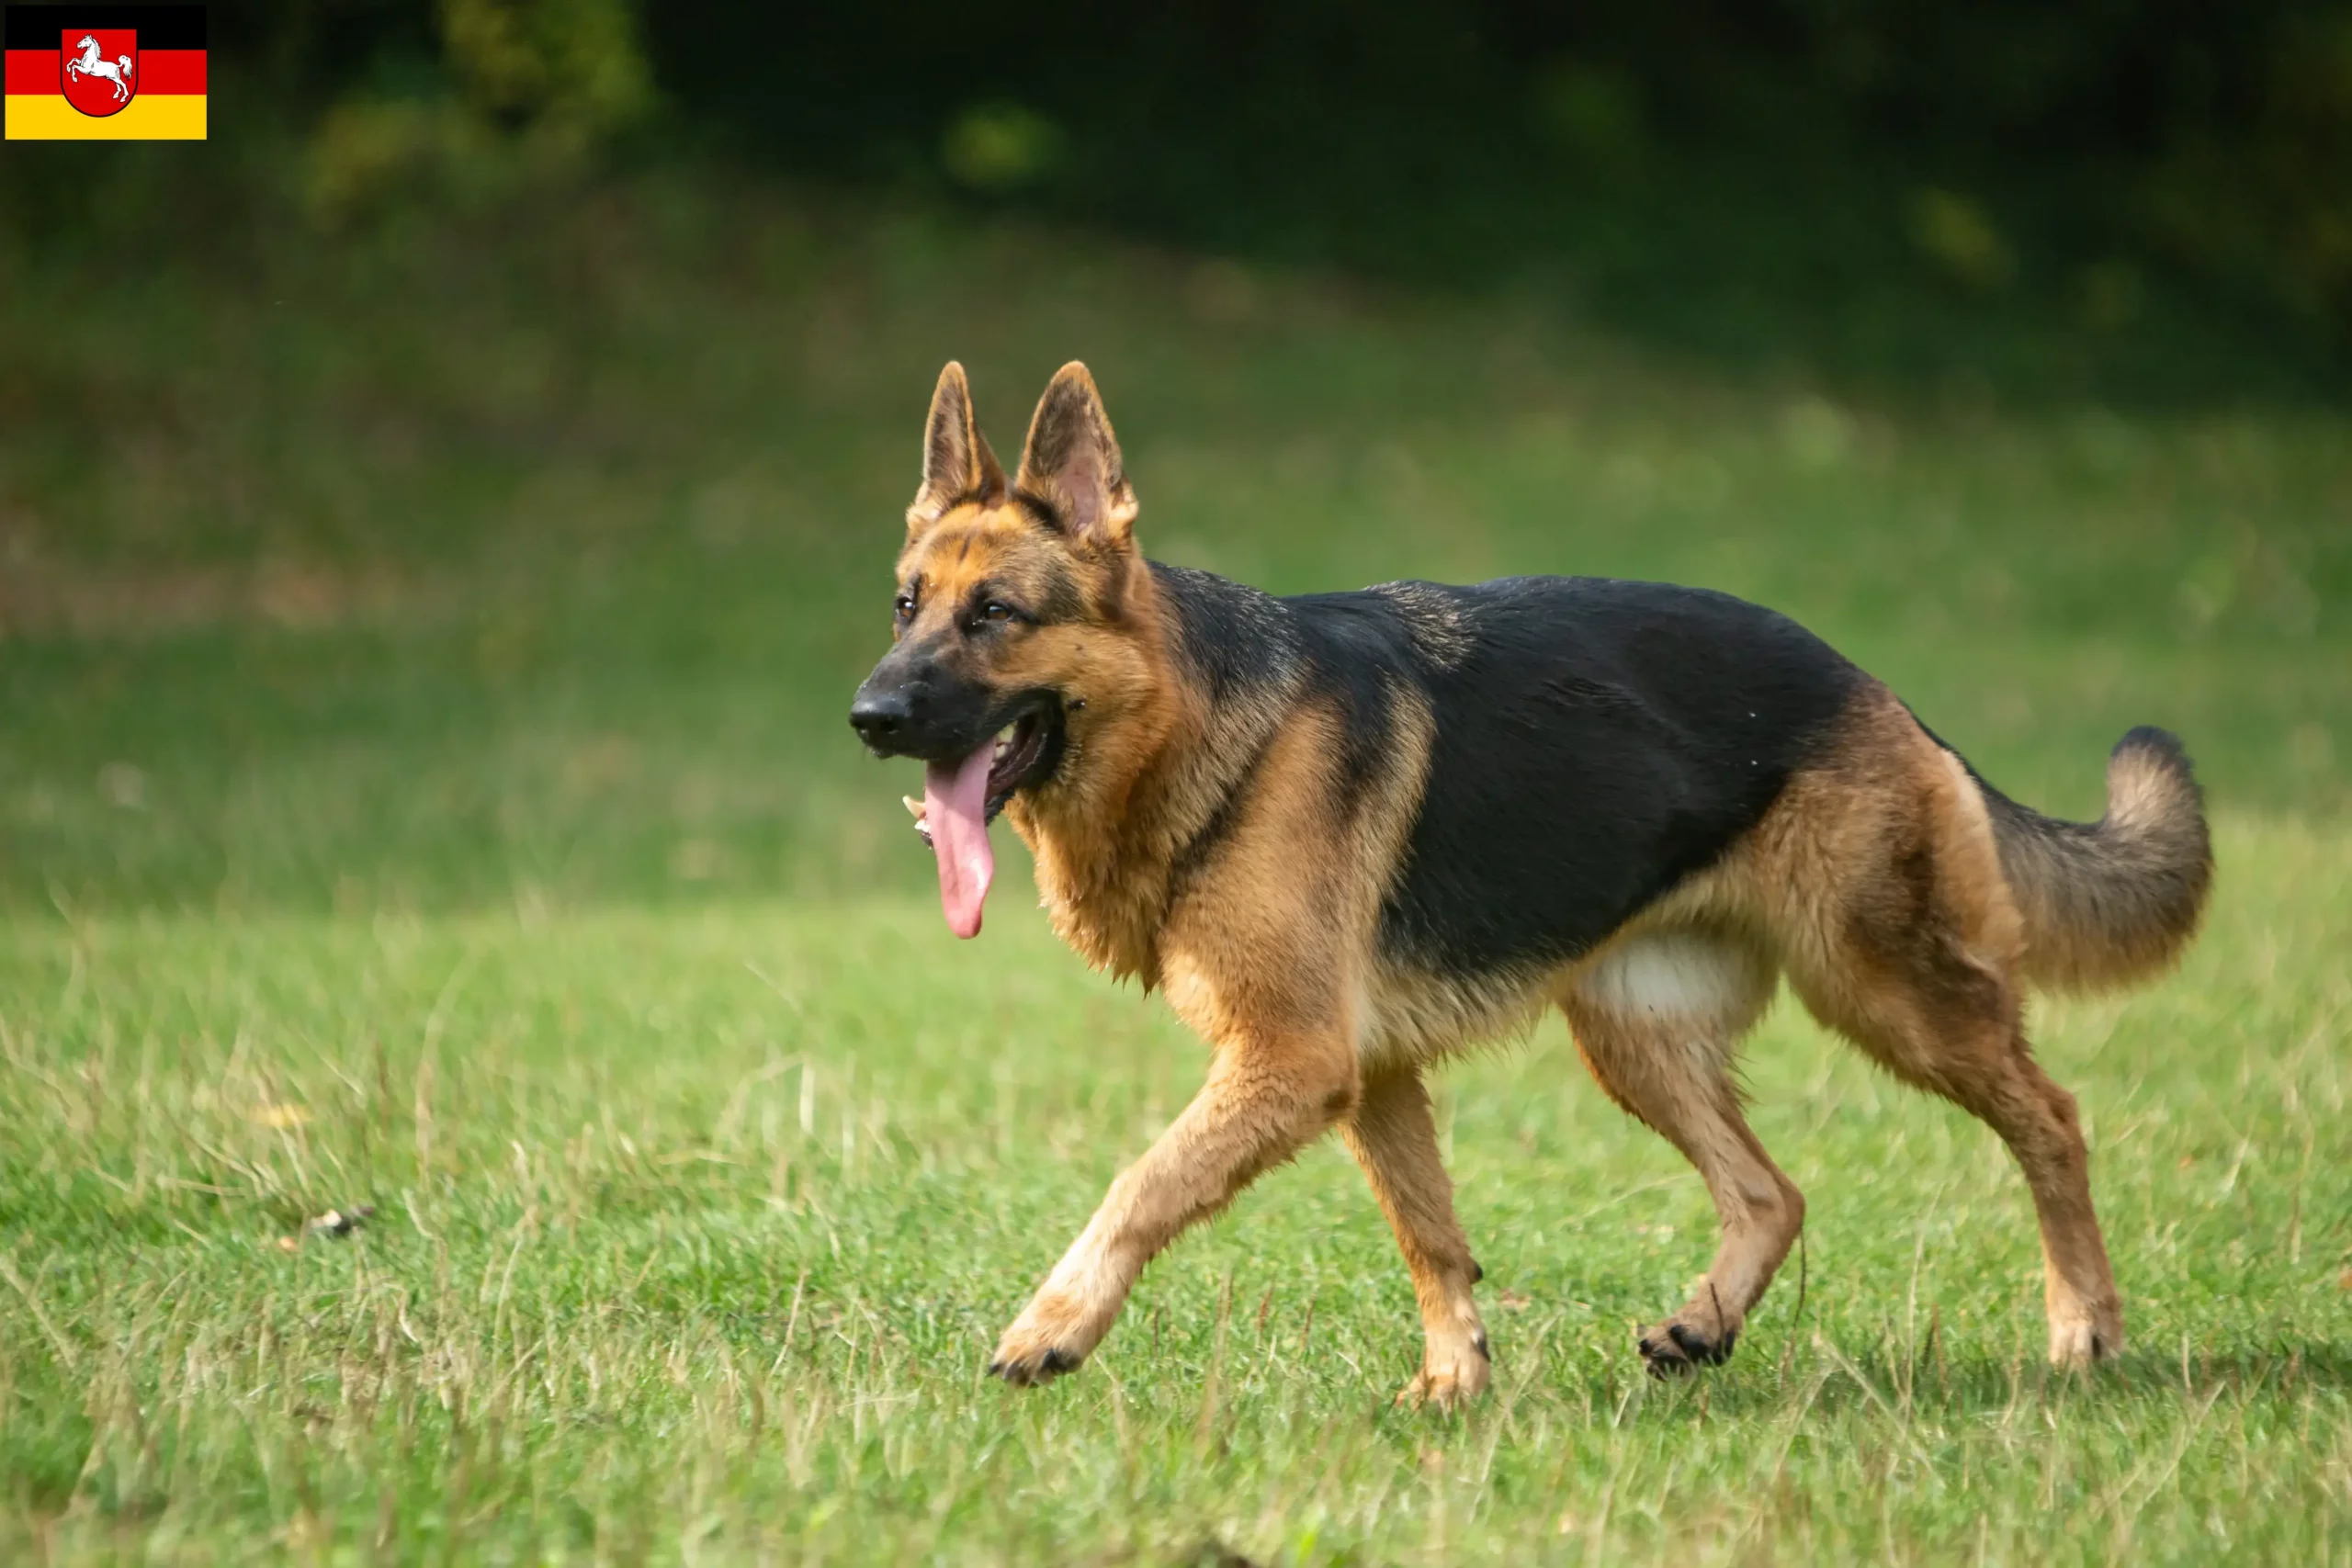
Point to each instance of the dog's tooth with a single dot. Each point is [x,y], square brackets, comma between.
[914,808]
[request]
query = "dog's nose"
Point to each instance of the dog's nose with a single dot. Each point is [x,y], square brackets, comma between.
[878,716]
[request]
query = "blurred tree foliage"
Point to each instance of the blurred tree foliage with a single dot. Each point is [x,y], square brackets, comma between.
[1669,159]
[1871,181]
[507,91]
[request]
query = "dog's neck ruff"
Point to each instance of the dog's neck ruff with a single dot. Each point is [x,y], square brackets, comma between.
[1113,837]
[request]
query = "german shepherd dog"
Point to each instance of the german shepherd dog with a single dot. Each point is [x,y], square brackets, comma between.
[1350,835]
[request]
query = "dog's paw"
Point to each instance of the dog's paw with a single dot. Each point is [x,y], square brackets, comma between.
[1678,1346]
[1450,1379]
[2078,1343]
[1048,1339]
[1027,1368]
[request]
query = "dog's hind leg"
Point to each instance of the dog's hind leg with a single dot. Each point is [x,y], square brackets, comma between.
[1973,1052]
[1394,1138]
[1657,1020]
[1915,962]
[1884,885]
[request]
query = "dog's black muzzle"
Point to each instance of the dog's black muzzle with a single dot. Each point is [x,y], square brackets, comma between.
[906,709]
[902,713]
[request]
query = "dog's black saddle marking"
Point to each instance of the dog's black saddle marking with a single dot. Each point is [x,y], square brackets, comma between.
[1596,741]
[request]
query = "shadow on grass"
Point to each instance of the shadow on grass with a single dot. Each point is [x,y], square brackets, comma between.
[1824,1378]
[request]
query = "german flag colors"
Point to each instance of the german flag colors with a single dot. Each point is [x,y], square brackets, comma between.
[106,73]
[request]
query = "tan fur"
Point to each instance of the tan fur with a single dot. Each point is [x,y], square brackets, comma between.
[1876,884]
[1661,1046]
[2116,902]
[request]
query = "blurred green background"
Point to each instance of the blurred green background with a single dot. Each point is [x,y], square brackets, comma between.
[473,474]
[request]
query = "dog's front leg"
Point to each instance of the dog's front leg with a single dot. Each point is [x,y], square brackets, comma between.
[1267,1097]
[1394,1137]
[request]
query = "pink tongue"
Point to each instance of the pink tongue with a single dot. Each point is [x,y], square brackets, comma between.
[954,808]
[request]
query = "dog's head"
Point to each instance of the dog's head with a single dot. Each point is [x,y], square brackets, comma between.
[1012,640]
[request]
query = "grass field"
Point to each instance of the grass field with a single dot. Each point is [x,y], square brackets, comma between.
[423,784]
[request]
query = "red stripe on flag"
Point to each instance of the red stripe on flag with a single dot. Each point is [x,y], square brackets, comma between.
[170,71]
[33,71]
[158,71]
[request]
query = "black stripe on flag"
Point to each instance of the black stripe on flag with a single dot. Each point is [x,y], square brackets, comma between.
[158,26]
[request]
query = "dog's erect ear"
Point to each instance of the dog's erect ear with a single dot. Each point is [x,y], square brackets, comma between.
[956,463]
[1071,464]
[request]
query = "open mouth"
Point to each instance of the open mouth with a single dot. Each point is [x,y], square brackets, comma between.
[962,795]
[1027,751]
[1024,752]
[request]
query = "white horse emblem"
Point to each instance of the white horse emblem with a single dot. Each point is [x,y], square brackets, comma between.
[91,63]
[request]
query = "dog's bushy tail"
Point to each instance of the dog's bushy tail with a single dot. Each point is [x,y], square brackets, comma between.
[2110,901]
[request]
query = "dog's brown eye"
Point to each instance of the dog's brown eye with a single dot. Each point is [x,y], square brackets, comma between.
[996,611]
[904,604]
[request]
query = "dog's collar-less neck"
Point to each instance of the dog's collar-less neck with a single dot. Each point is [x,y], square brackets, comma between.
[1105,861]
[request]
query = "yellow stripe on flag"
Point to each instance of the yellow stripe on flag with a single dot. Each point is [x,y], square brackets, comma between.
[159,117]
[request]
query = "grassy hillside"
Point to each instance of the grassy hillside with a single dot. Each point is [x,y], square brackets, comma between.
[434,564]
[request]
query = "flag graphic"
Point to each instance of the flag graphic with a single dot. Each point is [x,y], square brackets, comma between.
[106,73]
